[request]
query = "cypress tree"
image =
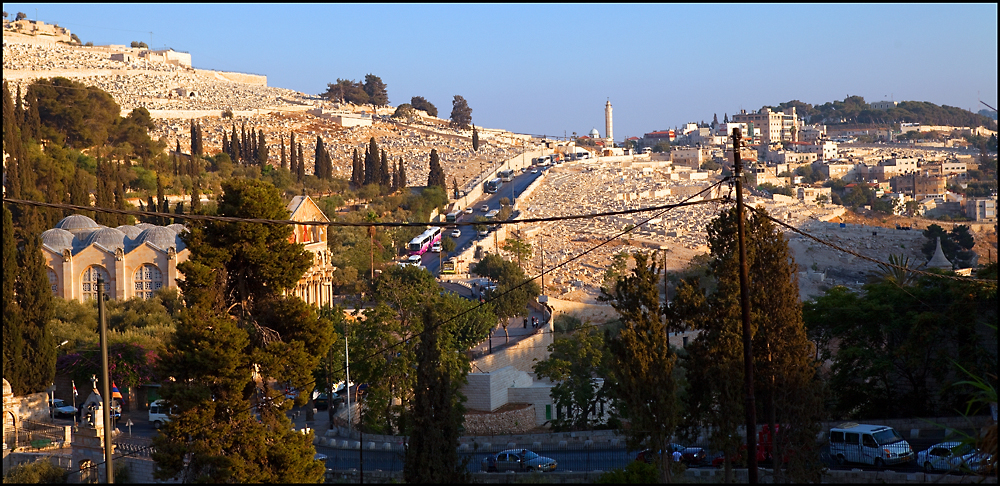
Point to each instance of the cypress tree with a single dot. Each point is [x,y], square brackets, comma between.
[436,177]
[195,199]
[475,138]
[13,330]
[34,296]
[284,160]
[194,136]
[357,176]
[402,174]
[234,146]
[32,120]
[262,152]
[384,172]
[318,159]
[225,143]
[293,158]
[372,163]
[164,206]
[302,165]
[395,178]
[244,145]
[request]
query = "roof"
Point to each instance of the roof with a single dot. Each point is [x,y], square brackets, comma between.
[300,206]
[860,427]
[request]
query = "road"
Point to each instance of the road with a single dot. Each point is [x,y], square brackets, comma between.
[510,190]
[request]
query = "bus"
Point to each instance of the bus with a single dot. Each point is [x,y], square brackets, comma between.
[452,217]
[423,242]
[492,215]
[449,266]
[506,175]
[493,185]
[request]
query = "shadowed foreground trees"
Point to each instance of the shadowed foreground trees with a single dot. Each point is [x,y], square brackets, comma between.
[237,334]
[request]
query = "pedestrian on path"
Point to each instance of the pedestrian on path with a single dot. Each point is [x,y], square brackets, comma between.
[526,323]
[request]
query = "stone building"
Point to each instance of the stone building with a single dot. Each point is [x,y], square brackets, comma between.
[136,261]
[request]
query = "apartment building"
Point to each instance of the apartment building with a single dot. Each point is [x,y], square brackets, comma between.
[772,126]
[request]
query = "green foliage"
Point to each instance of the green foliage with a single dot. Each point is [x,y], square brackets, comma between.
[574,364]
[566,323]
[507,275]
[636,472]
[956,244]
[642,362]
[461,114]
[711,165]
[346,90]
[405,112]
[70,112]
[436,177]
[890,334]
[663,146]
[854,109]
[420,103]
[42,471]
[376,90]
[518,248]
[475,138]
[615,271]
[773,189]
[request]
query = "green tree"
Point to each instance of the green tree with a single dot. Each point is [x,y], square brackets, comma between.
[475,138]
[575,364]
[262,151]
[376,91]
[784,359]
[436,175]
[40,471]
[402,174]
[435,414]
[72,113]
[510,299]
[615,271]
[519,248]
[405,112]
[239,332]
[419,103]
[461,114]
[642,363]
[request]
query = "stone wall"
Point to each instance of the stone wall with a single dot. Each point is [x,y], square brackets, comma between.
[140,470]
[487,391]
[514,421]
[521,355]
[254,79]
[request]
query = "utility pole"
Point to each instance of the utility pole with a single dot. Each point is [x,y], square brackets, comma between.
[750,405]
[105,381]
[541,259]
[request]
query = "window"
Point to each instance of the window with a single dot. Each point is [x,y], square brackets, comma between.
[148,280]
[89,281]
[852,438]
[868,441]
[836,436]
[53,282]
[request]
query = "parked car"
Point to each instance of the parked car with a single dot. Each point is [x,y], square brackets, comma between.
[690,456]
[159,414]
[518,460]
[877,445]
[534,171]
[954,456]
[60,409]
[321,402]
[414,260]
[436,247]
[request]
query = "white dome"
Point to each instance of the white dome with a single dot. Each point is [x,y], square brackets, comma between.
[130,231]
[594,133]
[77,222]
[109,238]
[160,236]
[58,239]
[179,228]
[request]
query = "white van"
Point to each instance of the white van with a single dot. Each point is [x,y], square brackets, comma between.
[158,413]
[878,445]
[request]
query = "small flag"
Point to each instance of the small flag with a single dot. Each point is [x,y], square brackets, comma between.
[114,391]
[75,393]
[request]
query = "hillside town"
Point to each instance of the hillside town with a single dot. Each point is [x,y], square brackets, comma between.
[853,196]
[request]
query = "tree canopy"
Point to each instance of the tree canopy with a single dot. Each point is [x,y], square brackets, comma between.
[419,103]
[461,114]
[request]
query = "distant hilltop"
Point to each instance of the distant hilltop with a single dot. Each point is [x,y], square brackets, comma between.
[39,30]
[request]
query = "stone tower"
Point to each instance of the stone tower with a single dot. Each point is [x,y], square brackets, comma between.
[609,131]
[88,441]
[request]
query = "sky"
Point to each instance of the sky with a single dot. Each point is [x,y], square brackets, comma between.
[548,69]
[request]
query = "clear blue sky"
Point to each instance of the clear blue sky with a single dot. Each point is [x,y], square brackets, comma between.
[549,68]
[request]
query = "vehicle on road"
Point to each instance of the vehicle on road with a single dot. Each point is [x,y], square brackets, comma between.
[448,266]
[690,456]
[422,243]
[436,247]
[521,460]
[954,456]
[764,451]
[484,232]
[492,214]
[321,402]
[159,414]
[61,409]
[878,445]
[455,233]
[469,210]
[534,171]
[485,208]
[452,216]
[493,185]
[414,260]
[506,175]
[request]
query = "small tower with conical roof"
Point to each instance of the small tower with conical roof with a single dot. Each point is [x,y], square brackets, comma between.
[939,260]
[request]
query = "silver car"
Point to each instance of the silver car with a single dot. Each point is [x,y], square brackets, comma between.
[518,460]
[953,456]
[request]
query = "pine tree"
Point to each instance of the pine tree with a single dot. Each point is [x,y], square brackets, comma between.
[284,159]
[402,174]
[436,177]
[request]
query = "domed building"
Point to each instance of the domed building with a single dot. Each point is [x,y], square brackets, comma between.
[135,261]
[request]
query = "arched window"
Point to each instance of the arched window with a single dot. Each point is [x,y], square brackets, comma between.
[89,281]
[53,282]
[148,280]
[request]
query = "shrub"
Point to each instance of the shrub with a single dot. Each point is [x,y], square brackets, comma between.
[635,473]
[40,471]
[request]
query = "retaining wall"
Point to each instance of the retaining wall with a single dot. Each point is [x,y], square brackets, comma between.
[516,421]
[521,355]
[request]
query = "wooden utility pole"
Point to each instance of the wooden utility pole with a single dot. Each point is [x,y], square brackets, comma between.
[750,405]
[105,381]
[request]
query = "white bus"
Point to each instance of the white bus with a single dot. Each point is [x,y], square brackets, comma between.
[506,175]
[423,242]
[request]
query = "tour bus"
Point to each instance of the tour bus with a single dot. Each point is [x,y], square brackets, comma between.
[544,160]
[492,215]
[452,216]
[423,242]
[448,266]
[506,175]
[493,185]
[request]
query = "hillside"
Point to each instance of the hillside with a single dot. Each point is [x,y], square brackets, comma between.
[854,109]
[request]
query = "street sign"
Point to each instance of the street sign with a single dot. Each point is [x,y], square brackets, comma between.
[129,425]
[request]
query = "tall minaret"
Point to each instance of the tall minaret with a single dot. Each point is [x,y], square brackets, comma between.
[609,131]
